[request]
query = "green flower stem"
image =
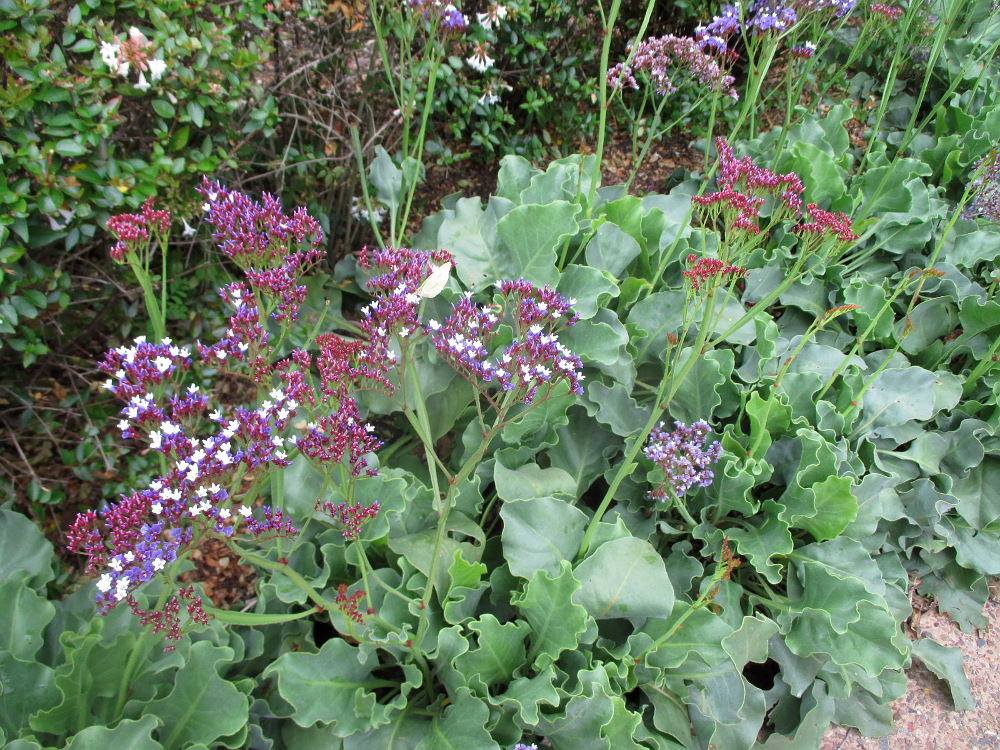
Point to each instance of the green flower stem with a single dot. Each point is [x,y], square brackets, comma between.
[426,436]
[697,604]
[365,192]
[987,363]
[860,343]
[287,571]
[419,151]
[608,24]
[442,529]
[669,385]
[139,650]
[758,71]
[255,618]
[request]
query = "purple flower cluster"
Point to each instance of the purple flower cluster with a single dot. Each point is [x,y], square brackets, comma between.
[265,243]
[661,59]
[133,370]
[446,15]
[534,359]
[682,456]
[985,187]
[763,17]
[212,451]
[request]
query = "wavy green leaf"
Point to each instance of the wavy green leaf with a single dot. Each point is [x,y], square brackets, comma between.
[624,578]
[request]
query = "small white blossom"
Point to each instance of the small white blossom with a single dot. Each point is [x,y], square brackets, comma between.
[156,69]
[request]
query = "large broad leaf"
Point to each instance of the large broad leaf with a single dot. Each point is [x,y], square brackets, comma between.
[611,249]
[334,685]
[23,548]
[469,232]
[702,391]
[202,707]
[599,340]
[530,481]
[816,499]
[581,450]
[25,687]
[897,396]
[463,726]
[534,234]
[762,538]
[556,621]
[592,289]
[498,654]
[656,316]
[625,578]
[88,682]
[514,177]
[614,406]
[134,735]
[581,725]
[837,606]
[526,695]
[23,618]
[540,533]
[946,663]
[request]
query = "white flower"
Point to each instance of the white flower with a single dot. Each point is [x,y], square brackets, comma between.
[480,60]
[188,229]
[143,84]
[245,511]
[104,584]
[109,54]
[156,69]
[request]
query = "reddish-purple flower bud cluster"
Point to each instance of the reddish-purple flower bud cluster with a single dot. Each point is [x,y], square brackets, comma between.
[350,518]
[827,224]
[168,620]
[132,230]
[985,188]
[682,456]
[348,604]
[887,12]
[709,272]
[535,357]
[663,58]
[744,189]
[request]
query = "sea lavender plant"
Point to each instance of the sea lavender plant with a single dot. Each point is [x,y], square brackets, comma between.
[213,456]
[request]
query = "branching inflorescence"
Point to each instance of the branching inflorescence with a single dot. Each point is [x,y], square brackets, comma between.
[683,458]
[667,58]
[534,360]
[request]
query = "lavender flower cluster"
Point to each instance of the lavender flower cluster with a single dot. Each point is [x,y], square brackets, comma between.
[763,17]
[534,359]
[682,456]
[446,15]
[663,58]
